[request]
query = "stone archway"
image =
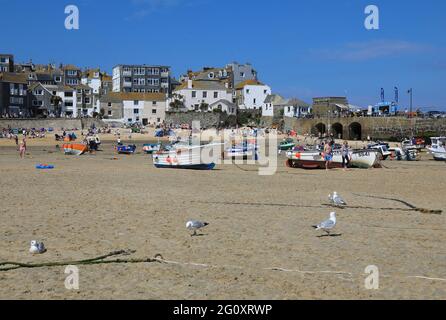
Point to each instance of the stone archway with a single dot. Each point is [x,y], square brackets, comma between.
[355,131]
[320,129]
[338,130]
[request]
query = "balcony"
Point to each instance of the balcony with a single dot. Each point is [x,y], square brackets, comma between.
[164,74]
[126,73]
[127,84]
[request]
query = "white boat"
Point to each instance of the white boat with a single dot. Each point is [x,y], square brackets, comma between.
[315,159]
[183,157]
[437,149]
[382,149]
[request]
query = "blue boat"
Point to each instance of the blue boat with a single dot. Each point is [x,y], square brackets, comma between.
[126,149]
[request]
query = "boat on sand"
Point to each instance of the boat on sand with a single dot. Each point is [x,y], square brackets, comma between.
[76,149]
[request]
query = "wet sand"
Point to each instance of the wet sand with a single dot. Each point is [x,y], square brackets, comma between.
[92,205]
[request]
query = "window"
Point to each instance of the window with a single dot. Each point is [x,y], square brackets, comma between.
[153,103]
[265,91]
[248,91]
[38,92]
[58,79]
[194,94]
[158,119]
[87,100]
[110,112]
[136,102]
[72,73]
[254,100]
[205,94]
[69,94]
[37,103]
[215,95]
[135,111]
[129,120]
[109,104]
[211,75]
[242,74]
[68,104]
[153,111]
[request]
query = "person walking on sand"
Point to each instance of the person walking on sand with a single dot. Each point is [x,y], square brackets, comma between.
[328,154]
[345,155]
[22,148]
[16,137]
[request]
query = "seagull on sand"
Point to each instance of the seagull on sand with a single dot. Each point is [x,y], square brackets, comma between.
[194,225]
[336,200]
[327,225]
[37,247]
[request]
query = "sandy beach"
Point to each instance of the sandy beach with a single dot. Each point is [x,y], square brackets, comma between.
[260,243]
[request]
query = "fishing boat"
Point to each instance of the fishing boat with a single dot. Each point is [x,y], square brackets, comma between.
[437,148]
[244,151]
[126,149]
[287,145]
[382,148]
[185,157]
[315,159]
[151,148]
[76,149]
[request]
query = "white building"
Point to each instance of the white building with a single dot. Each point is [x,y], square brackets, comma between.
[251,95]
[142,108]
[273,104]
[296,108]
[69,100]
[205,96]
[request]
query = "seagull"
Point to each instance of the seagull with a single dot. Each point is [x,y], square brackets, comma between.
[196,225]
[327,225]
[336,200]
[37,247]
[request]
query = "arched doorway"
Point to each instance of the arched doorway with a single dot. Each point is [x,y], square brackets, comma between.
[355,131]
[337,130]
[320,129]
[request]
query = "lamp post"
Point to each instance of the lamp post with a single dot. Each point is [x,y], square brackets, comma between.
[410,92]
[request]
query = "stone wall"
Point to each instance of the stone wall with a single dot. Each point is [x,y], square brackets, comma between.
[56,124]
[207,119]
[377,128]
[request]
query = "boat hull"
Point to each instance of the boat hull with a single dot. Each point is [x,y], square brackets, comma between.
[315,160]
[125,150]
[74,149]
[181,159]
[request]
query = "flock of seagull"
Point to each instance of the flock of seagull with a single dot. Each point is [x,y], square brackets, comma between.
[195,225]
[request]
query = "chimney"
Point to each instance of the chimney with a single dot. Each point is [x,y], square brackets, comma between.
[189,84]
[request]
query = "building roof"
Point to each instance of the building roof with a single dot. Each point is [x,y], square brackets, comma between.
[124,96]
[70,67]
[297,102]
[14,77]
[241,85]
[275,99]
[223,101]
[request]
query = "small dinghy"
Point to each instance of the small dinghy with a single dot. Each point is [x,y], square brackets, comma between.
[75,149]
[151,148]
[126,149]
[287,145]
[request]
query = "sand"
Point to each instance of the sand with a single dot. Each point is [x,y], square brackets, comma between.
[92,205]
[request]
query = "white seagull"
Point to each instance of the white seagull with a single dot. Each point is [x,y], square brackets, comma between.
[336,200]
[194,225]
[327,225]
[37,247]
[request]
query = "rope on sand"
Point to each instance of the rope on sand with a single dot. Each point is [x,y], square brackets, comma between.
[410,206]
[160,259]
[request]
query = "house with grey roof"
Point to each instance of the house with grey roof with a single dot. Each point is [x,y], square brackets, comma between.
[14,95]
[141,78]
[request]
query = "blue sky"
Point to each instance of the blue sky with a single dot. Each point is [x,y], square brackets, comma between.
[300,48]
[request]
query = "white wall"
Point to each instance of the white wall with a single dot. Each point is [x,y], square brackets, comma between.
[253,97]
[190,102]
[268,110]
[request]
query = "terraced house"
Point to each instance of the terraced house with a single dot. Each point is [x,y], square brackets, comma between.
[14,95]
